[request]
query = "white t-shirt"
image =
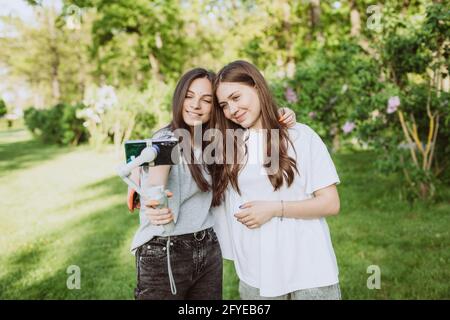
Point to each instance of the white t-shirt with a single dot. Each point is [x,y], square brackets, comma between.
[286,255]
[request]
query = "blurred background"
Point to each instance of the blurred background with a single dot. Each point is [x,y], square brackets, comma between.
[78,78]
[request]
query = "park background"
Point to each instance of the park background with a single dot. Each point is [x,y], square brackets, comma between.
[78,78]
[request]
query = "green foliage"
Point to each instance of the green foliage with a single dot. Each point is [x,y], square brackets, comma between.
[57,125]
[117,115]
[330,86]
[3,109]
[144,122]
[415,59]
[395,49]
[342,85]
[51,58]
[73,130]
[322,58]
[144,36]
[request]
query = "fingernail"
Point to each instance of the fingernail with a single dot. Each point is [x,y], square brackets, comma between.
[240,207]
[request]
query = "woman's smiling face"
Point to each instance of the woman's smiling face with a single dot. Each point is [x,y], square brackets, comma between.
[240,104]
[198,102]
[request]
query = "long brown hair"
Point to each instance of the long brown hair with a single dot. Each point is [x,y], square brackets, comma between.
[178,123]
[246,73]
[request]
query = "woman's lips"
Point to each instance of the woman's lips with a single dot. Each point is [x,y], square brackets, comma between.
[241,117]
[193,114]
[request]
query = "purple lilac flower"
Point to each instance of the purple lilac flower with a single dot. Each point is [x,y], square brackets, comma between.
[393,104]
[348,127]
[290,95]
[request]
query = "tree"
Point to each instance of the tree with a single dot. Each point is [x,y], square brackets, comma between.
[52,58]
[135,40]
[414,67]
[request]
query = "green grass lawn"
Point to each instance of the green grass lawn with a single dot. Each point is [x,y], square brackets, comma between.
[65,206]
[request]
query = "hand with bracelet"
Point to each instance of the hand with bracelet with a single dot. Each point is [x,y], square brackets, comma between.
[324,203]
[255,213]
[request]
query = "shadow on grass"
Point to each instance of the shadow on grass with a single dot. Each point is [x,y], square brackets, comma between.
[23,154]
[101,252]
[100,189]
[97,243]
[17,267]
[107,272]
[108,187]
[7,132]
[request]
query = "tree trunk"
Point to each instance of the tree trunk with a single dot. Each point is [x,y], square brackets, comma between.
[287,30]
[405,6]
[336,145]
[355,20]
[154,63]
[82,68]
[55,59]
[315,20]
[55,82]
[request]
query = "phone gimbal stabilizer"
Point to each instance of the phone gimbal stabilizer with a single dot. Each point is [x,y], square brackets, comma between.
[152,152]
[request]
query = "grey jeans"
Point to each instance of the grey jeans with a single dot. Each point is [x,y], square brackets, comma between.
[332,292]
[196,267]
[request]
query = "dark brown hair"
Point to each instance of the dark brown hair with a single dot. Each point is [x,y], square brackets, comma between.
[178,123]
[246,73]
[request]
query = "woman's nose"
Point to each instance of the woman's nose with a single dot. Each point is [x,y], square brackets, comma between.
[195,104]
[233,108]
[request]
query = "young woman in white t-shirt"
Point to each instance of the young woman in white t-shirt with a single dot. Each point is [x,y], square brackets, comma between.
[275,194]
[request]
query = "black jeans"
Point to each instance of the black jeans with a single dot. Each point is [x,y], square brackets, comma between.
[196,263]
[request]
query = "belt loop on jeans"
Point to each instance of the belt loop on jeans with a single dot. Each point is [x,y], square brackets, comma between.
[203,234]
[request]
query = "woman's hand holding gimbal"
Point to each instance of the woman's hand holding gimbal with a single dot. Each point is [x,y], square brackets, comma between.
[158,216]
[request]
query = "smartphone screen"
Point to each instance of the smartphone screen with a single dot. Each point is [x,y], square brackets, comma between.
[167,146]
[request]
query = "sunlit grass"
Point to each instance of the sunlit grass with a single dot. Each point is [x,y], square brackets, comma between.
[65,206]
